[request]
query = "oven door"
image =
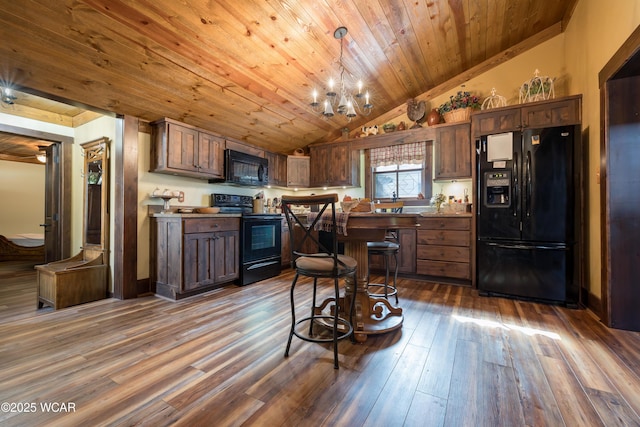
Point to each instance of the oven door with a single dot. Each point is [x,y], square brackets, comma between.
[261,237]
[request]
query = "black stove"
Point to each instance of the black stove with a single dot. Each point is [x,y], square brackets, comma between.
[260,238]
[232,203]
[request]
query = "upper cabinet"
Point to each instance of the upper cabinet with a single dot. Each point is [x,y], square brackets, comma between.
[555,112]
[333,165]
[298,171]
[180,149]
[277,168]
[453,152]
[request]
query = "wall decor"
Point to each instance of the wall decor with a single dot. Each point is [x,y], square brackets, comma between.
[494,101]
[538,88]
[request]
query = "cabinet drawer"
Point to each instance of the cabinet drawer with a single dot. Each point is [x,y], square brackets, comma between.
[445,223]
[444,253]
[203,225]
[444,237]
[456,270]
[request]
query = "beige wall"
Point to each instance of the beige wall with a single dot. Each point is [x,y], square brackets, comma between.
[22,196]
[596,31]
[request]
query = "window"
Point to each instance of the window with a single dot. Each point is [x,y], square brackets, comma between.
[402,170]
[405,180]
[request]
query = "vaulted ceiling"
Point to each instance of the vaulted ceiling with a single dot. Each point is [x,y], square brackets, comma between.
[246,68]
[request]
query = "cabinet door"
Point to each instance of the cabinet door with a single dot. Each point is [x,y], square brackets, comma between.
[277,168]
[558,113]
[407,256]
[297,171]
[285,252]
[226,263]
[453,152]
[319,166]
[340,165]
[199,253]
[332,166]
[210,158]
[182,146]
[490,122]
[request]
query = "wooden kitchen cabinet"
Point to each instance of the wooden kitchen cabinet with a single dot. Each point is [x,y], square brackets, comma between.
[333,165]
[180,149]
[453,152]
[406,255]
[298,171]
[444,247]
[193,254]
[554,112]
[285,252]
[277,169]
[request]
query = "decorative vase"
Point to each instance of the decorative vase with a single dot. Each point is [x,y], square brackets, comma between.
[458,115]
[433,118]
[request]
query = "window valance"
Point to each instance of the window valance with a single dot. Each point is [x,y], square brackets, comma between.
[411,153]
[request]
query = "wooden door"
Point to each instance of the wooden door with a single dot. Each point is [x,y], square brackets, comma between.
[620,186]
[52,205]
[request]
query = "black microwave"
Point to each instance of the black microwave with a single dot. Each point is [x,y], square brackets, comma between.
[245,169]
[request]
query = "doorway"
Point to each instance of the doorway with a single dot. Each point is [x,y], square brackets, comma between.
[57,216]
[620,186]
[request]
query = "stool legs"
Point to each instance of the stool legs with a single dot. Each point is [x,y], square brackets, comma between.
[334,318]
[387,260]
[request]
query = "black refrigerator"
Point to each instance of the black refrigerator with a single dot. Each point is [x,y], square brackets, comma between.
[527,222]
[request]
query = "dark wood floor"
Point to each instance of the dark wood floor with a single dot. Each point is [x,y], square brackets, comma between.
[217,360]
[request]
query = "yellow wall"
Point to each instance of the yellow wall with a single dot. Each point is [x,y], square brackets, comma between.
[22,195]
[596,31]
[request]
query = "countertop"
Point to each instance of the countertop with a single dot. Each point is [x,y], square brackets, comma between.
[194,215]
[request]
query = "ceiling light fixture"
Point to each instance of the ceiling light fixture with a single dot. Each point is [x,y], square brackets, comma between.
[42,154]
[345,101]
[7,96]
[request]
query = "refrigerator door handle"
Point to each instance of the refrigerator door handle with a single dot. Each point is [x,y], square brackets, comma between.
[526,247]
[528,184]
[514,170]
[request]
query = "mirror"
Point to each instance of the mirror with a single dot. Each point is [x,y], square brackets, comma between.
[96,168]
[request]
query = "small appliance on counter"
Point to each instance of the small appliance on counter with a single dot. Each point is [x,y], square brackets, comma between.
[260,238]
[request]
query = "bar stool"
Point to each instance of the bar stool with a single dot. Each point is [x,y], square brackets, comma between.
[311,258]
[390,247]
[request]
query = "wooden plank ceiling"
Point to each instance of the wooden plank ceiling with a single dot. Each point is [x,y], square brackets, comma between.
[246,69]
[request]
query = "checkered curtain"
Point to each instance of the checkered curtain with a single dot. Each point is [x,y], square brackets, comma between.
[412,153]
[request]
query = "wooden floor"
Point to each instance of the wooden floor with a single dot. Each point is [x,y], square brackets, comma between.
[217,360]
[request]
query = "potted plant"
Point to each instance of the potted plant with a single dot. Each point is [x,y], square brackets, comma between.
[437,200]
[458,107]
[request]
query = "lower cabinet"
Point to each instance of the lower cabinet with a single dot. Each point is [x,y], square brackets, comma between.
[444,248]
[406,255]
[285,252]
[191,254]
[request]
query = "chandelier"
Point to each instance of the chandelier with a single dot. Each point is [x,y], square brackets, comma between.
[344,99]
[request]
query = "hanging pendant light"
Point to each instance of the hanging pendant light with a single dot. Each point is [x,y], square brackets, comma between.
[343,99]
